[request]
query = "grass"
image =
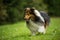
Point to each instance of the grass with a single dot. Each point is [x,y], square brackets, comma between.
[19,31]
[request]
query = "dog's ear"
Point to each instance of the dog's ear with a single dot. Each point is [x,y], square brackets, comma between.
[32,9]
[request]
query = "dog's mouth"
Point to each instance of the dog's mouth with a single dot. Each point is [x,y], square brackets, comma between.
[27,20]
[27,17]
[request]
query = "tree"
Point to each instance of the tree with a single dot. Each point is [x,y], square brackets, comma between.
[53,7]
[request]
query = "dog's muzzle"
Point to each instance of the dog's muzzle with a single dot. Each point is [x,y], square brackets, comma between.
[27,18]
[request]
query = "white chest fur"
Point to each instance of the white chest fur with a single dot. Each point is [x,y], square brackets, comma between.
[34,27]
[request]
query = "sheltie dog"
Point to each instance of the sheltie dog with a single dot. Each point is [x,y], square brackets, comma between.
[36,21]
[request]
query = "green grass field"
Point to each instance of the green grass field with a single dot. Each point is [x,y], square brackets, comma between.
[19,31]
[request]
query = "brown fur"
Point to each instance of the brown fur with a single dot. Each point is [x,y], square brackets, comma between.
[28,14]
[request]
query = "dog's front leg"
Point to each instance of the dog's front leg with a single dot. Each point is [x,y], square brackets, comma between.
[33,33]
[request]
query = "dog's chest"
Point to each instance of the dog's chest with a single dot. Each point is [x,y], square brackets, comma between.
[36,26]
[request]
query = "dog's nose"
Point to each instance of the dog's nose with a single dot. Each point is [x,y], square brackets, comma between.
[25,18]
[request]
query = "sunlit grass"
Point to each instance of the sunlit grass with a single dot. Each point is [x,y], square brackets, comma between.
[19,31]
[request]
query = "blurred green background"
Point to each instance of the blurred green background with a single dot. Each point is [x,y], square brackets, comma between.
[13,26]
[12,11]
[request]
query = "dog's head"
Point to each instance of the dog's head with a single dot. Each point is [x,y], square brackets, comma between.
[29,14]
